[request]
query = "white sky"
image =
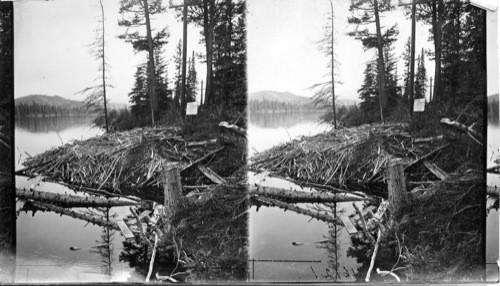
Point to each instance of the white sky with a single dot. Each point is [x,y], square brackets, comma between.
[283,54]
[52,41]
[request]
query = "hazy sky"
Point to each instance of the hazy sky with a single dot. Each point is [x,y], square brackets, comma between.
[283,53]
[52,41]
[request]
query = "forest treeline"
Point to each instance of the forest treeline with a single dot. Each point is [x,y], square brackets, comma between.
[34,109]
[457,31]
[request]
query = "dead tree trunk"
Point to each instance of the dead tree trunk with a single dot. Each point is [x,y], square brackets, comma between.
[291,195]
[74,214]
[172,190]
[70,200]
[398,197]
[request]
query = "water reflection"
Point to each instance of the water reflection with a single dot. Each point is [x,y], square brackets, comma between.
[282,119]
[51,124]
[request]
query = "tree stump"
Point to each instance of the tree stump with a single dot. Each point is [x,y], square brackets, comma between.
[398,197]
[172,189]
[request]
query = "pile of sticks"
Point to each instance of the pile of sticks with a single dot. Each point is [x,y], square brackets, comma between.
[119,161]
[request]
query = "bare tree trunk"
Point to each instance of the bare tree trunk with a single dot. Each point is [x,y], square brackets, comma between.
[104,71]
[184,55]
[70,200]
[381,64]
[411,82]
[151,65]
[437,22]
[77,215]
[208,31]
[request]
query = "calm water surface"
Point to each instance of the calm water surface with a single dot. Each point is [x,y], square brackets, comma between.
[272,230]
[44,238]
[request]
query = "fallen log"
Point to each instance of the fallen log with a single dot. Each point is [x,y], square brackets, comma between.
[291,195]
[82,188]
[323,216]
[74,214]
[466,129]
[201,143]
[234,128]
[70,200]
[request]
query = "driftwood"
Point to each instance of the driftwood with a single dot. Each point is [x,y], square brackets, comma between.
[202,143]
[438,172]
[323,216]
[427,155]
[153,255]
[428,139]
[372,262]
[209,173]
[185,167]
[478,138]
[70,200]
[363,223]
[74,214]
[301,196]
[234,128]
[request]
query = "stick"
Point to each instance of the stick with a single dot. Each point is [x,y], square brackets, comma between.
[236,129]
[201,159]
[152,262]
[468,130]
[375,250]
[139,226]
[388,272]
[365,229]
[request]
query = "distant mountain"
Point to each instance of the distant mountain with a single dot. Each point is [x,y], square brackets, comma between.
[55,100]
[289,97]
[58,101]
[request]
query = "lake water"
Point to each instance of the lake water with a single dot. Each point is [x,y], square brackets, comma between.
[273,257]
[492,220]
[44,238]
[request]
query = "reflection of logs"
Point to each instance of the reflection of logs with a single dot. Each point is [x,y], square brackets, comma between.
[324,216]
[70,200]
[77,215]
[292,195]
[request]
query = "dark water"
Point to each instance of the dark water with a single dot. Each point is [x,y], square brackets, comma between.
[273,257]
[44,238]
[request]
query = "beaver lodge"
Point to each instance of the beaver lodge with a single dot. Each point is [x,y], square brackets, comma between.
[178,191]
[423,196]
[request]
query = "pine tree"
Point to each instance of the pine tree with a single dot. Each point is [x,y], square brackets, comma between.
[192,81]
[364,13]
[421,77]
[136,14]
[178,73]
